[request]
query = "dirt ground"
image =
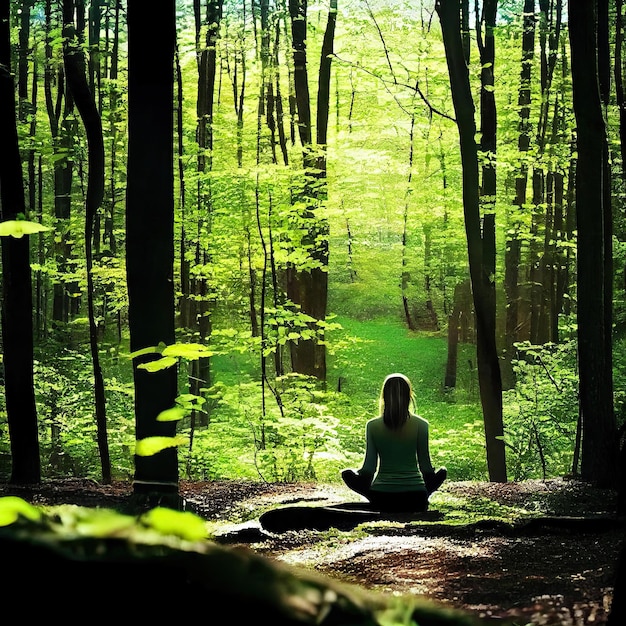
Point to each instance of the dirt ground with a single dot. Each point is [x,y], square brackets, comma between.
[556,571]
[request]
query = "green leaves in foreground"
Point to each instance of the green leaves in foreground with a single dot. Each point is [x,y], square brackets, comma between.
[182,524]
[19,228]
[153,445]
[12,507]
[170,355]
[76,521]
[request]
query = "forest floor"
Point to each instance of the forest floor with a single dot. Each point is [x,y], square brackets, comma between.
[535,552]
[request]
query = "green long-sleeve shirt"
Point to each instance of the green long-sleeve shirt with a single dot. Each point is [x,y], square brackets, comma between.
[401,457]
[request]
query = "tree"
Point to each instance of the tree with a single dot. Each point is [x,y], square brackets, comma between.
[308,287]
[17,305]
[86,105]
[200,375]
[514,239]
[489,377]
[62,119]
[593,214]
[150,234]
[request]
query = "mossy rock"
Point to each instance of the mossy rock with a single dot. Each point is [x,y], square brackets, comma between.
[77,563]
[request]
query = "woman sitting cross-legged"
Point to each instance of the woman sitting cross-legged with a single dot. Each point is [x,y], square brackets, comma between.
[397,473]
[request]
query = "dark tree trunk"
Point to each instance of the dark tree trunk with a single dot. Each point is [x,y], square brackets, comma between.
[150,232]
[599,444]
[514,245]
[278,98]
[619,81]
[487,185]
[62,127]
[22,64]
[201,369]
[95,69]
[430,307]
[109,223]
[557,257]
[87,108]
[17,305]
[460,310]
[489,377]
[540,295]
[308,288]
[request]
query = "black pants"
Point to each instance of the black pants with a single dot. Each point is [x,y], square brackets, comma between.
[394,501]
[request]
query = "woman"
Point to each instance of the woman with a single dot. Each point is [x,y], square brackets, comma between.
[396,446]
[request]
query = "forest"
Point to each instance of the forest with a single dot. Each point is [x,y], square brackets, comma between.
[223,223]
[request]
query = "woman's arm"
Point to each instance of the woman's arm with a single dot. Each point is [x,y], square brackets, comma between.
[370,463]
[423,450]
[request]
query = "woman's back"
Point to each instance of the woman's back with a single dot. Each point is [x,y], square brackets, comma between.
[396,452]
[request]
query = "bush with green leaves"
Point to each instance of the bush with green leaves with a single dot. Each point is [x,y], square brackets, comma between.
[67,426]
[541,412]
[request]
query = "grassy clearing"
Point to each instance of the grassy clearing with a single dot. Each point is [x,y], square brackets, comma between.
[321,433]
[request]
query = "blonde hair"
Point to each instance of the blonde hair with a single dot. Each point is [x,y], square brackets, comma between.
[396,400]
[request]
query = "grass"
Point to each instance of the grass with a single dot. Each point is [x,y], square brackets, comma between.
[314,434]
[325,431]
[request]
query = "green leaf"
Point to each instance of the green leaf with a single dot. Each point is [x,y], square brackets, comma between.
[190,351]
[19,228]
[104,523]
[11,507]
[150,350]
[190,401]
[171,415]
[159,364]
[151,445]
[182,524]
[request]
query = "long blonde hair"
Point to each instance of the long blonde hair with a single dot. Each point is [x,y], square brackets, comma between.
[396,400]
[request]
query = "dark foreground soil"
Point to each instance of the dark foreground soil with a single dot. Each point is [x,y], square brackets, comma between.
[554,564]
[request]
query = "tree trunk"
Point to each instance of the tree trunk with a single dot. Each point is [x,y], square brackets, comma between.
[513,244]
[17,305]
[308,288]
[62,128]
[201,369]
[87,107]
[460,300]
[599,445]
[619,82]
[150,232]
[490,382]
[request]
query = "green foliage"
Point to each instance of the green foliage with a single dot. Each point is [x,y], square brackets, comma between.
[12,507]
[151,445]
[67,430]
[541,412]
[318,432]
[392,199]
[19,228]
[75,521]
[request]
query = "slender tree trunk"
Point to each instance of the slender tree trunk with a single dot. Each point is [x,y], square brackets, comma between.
[460,300]
[114,118]
[618,72]
[207,69]
[514,244]
[87,107]
[62,127]
[405,276]
[487,355]
[24,106]
[599,439]
[17,305]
